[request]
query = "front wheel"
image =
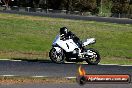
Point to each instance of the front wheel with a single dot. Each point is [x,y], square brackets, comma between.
[93,57]
[56,56]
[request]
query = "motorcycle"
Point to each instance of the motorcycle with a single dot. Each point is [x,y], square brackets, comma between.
[67,50]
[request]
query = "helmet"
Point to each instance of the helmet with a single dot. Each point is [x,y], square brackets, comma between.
[63,30]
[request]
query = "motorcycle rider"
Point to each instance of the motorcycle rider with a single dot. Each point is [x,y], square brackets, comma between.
[65,34]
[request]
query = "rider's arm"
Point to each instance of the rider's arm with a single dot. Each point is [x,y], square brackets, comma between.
[73,36]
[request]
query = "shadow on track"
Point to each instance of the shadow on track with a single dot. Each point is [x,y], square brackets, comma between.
[43,61]
[33,60]
[74,63]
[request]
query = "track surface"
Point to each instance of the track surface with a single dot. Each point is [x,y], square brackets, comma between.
[67,86]
[26,68]
[75,17]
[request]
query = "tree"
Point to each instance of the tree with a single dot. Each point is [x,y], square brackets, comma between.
[80,5]
[68,5]
[87,5]
[43,4]
[54,4]
[120,6]
[6,3]
[98,3]
[36,3]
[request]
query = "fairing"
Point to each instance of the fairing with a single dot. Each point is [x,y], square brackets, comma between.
[67,45]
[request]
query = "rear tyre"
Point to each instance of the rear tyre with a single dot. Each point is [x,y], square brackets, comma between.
[95,58]
[56,57]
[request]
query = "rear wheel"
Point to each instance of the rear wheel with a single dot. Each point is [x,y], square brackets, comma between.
[94,58]
[56,56]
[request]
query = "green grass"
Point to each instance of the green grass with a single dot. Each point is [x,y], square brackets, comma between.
[30,35]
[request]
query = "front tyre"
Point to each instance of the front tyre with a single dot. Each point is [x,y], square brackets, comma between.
[94,58]
[56,56]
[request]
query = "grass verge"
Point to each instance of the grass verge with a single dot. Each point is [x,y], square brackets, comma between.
[29,37]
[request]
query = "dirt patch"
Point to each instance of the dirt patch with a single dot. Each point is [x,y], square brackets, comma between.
[20,80]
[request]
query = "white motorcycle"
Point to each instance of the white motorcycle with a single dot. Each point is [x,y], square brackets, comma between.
[67,49]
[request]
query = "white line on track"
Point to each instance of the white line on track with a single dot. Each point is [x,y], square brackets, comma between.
[70,77]
[9,60]
[4,59]
[65,62]
[16,60]
[38,76]
[99,64]
[115,64]
[35,76]
[8,75]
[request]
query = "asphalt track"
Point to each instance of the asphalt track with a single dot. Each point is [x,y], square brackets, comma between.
[67,86]
[74,17]
[45,68]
